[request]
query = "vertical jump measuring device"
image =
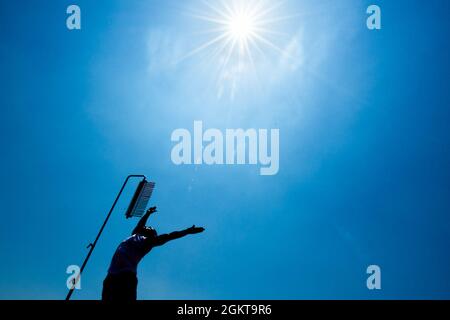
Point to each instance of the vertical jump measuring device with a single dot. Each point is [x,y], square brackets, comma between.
[136,208]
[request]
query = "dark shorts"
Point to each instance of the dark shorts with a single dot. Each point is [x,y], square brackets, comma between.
[120,287]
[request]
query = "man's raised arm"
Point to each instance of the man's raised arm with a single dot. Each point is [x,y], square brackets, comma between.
[142,222]
[162,239]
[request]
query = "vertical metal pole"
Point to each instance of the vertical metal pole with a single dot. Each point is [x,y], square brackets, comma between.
[92,245]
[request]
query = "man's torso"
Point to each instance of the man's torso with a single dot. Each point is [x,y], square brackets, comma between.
[128,254]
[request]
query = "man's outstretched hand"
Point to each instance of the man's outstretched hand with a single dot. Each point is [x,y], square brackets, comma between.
[151,210]
[195,229]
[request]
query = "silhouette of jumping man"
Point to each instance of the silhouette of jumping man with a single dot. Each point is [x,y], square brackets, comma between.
[121,282]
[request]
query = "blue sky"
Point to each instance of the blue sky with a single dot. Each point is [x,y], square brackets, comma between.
[364,150]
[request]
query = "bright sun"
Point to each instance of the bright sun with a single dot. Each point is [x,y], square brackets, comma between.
[241,26]
[242,32]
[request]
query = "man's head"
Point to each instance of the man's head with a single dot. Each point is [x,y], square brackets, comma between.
[148,232]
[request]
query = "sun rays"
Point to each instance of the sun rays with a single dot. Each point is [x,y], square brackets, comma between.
[238,34]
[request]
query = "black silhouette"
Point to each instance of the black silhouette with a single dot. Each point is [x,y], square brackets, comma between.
[121,281]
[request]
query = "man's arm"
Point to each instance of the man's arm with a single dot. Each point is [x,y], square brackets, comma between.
[164,238]
[142,222]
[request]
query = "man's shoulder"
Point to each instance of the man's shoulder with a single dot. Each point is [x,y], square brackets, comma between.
[139,239]
[136,237]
